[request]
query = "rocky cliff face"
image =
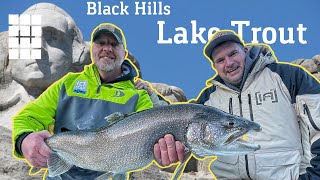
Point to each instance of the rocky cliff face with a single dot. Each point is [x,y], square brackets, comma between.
[312,65]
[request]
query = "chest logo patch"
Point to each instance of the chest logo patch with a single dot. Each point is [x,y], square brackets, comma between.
[81,87]
[118,94]
[270,96]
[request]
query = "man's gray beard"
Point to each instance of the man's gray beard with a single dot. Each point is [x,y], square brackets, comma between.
[108,67]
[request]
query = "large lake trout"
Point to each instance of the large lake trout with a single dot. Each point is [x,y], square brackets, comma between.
[127,142]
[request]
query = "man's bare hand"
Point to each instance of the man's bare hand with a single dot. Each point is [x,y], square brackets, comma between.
[35,150]
[168,151]
[139,84]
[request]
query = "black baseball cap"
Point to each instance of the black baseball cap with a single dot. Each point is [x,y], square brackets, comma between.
[109,29]
[218,38]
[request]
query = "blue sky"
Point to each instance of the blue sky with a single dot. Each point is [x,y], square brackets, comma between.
[184,65]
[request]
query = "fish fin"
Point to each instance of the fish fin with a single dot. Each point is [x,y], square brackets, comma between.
[120,176]
[179,170]
[104,176]
[114,118]
[57,166]
[34,170]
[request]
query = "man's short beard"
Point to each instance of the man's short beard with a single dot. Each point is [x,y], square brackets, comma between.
[108,67]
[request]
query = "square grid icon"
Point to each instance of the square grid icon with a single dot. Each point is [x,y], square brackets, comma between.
[24,36]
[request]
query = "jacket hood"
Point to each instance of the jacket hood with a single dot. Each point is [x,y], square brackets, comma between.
[262,56]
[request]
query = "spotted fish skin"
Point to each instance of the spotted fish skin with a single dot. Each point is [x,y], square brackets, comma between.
[128,144]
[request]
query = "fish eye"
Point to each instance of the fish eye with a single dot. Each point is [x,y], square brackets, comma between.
[230,124]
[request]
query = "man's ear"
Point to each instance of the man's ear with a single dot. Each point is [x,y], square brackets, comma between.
[246,50]
[125,54]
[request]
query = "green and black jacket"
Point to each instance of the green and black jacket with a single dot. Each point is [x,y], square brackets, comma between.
[79,101]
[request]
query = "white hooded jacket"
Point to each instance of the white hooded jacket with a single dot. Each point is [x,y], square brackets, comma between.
[285,101]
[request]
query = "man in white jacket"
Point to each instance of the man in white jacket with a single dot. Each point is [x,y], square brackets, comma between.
[284,99]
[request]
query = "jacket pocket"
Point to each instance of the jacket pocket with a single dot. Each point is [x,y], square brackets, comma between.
[228,159]
[225,167]
[278,158]
[282,165]
[306,110]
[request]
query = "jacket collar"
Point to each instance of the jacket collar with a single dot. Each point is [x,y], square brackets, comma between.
[128,73]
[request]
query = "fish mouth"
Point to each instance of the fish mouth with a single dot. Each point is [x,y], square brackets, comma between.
[236,135]
[236,138]
[248,145]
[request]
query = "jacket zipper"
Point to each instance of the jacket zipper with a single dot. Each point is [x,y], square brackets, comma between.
[98,82]
[299,123]
[247,167]
[250,107]
[306,110]
[98,89]
[99,85]
[230,106]
[240,103]
[246,156]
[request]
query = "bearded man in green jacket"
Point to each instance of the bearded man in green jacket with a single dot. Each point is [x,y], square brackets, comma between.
[81,101]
